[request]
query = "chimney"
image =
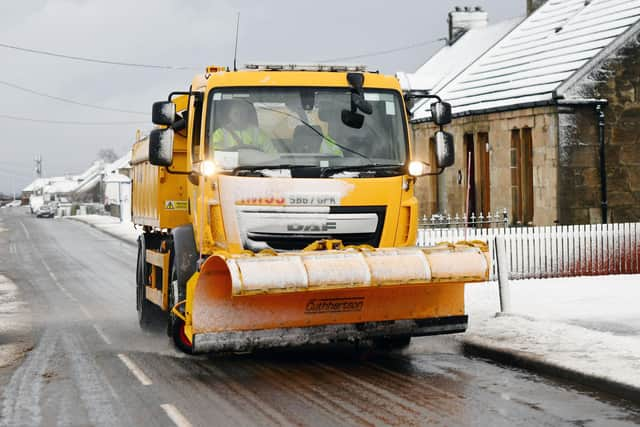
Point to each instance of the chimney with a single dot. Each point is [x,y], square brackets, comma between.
[533,5]
[462,20]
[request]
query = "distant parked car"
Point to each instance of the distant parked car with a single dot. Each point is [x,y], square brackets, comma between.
[45,211]
[14,204]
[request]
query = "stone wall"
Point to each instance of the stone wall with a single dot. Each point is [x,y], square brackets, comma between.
[618,81]
[447,193]
[578,168]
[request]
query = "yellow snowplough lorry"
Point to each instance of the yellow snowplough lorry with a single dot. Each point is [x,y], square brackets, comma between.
[278,209]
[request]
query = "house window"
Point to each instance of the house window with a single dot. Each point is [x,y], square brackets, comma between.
[483,175]
[521,176]
[477,159]
[470,176]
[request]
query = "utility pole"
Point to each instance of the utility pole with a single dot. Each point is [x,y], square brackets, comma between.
[38,169]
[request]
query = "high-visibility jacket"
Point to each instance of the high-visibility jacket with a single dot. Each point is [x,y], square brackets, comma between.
[224,139]
[329,146]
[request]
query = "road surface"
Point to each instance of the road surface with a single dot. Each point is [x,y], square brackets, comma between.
[91,364]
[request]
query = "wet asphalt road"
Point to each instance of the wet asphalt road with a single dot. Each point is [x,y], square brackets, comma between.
[92,365]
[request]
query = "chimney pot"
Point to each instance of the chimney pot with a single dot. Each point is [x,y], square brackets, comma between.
[464,19]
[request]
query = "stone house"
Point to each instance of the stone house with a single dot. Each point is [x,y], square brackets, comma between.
[528,113]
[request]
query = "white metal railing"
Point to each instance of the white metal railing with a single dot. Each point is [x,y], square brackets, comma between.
[554,251]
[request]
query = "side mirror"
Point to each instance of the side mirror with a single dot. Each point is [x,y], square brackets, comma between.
[353,120]
[161,147]
[163,113]
[441,113]
[444,149]
[358,102]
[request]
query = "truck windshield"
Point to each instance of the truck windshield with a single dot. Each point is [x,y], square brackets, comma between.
[280,128]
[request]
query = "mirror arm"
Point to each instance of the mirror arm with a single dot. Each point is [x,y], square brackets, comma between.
[434,173]
[198,97]
[422,94]
[175,172]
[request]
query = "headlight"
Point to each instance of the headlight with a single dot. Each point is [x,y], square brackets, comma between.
[417,168]
[207,168]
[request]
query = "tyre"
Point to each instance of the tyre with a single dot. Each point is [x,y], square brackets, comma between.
[149,315]
[180,338]
[175,325]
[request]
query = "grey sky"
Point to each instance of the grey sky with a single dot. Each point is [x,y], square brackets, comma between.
[172,32]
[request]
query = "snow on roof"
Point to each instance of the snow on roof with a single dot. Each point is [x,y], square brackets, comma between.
[122,162]
[42,183]
[82,182]
[36,184]
[88,184]
[60,186]
[96,168]
[541,53]
[449,61]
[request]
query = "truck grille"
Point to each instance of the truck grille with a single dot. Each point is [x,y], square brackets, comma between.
[290,229]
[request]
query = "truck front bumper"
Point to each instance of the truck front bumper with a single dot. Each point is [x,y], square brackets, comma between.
[234,341]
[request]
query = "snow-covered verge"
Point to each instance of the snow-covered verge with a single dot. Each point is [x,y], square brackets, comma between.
[15,325]
[124,231]
[585,325]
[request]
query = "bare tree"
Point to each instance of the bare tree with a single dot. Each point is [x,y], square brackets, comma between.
[108,155]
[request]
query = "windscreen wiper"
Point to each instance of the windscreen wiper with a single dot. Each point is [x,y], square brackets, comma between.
[324,137]
[253,168]
[328,171]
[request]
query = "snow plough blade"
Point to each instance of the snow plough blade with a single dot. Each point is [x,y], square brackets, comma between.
[240,302]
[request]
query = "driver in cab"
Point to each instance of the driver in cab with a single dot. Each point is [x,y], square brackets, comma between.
[240,129]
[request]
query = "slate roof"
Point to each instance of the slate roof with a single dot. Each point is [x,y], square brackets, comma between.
[452,59]
[539,55]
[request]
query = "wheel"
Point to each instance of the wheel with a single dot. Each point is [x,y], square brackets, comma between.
[175,325]
[180,338]
[149,315]
[392,343]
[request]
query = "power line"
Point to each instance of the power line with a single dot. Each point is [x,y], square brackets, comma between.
[69,101]
[19,174]
[96,60]
[63,122]
[385,52]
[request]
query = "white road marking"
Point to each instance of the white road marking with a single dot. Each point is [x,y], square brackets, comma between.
[12,248]
[102,334]
[175,415]
[65,291]
[85,311]
[144,380]
[25,230]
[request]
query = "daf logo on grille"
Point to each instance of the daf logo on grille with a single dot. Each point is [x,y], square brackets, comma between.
[327,226]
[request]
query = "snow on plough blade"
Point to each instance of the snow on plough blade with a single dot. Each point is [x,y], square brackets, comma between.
[238,303]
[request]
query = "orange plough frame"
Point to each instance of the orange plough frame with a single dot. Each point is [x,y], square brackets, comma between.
[215,320]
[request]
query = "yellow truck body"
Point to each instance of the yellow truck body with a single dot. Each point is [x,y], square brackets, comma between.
[317,250]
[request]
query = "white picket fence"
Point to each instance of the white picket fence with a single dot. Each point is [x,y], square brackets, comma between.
[556,251]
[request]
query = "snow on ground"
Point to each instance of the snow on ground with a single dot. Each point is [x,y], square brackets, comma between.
[14,324]
[110,225]
[586,324]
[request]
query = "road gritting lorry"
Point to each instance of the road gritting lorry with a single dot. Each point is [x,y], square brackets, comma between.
[277,207]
